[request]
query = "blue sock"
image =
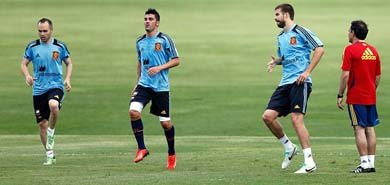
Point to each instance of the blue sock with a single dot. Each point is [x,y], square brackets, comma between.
[170,135]
[138,130]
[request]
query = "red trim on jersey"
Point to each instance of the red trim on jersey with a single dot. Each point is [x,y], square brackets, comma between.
[363,63]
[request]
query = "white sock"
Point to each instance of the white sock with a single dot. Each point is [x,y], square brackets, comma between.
[371,161]
[50,131]
[308,156]
[286,142]
[50,153]
[364,161]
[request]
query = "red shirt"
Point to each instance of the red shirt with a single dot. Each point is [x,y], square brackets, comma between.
[363,63]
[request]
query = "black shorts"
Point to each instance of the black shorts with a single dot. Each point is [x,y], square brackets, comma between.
[160,100]
[41,103]
[290,98]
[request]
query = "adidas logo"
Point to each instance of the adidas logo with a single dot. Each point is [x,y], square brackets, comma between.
[368,55]
[163,112]
[297,107]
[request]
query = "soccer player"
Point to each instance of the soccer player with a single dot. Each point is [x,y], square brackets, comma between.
[47,55]
[156,55]
[294,48]
[361,72]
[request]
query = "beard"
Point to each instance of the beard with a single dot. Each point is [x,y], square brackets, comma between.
[281,24]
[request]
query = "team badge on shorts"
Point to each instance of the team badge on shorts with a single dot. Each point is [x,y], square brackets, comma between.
[293,41]
[55,55]
[157,46]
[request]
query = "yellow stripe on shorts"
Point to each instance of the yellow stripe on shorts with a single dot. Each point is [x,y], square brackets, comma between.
[353,115]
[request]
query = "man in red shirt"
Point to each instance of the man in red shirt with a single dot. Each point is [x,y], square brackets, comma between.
[361,72]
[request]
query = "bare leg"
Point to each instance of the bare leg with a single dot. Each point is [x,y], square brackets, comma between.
[300,129]
[273,124]
[304,139]
[361,140]
[166,125]
[371,140]
[43,132]
[54,113]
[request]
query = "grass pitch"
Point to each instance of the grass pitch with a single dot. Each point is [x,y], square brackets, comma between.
[218,93]
[83,159]
[221,86]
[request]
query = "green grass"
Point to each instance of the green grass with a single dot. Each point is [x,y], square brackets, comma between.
[220,88]
[219,92]
[91,159]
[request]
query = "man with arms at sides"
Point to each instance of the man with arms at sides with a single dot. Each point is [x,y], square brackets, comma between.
[47,55]
[156,55]
[361,72]
[295,44]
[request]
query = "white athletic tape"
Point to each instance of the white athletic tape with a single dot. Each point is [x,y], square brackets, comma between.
[164,118]
[137,106]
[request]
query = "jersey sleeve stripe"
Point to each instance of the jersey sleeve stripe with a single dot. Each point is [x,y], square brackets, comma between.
[140,38]
[33,43]
[61,45]
[173,47]
[308,36]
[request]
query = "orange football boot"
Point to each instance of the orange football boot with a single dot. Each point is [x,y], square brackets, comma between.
[141,154]
[171,162]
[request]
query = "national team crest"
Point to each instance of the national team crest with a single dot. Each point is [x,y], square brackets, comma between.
[55,55]
[157,46]
[293,41]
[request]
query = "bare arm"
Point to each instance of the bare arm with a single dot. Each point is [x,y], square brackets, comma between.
[24,69]
[377,80]
[69,69]
[318,52]
[343,85]
[274,61]
[172,63]
[138,76]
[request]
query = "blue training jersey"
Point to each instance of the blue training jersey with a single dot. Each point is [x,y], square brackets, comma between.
[155,51]
[47,64]
[294,48]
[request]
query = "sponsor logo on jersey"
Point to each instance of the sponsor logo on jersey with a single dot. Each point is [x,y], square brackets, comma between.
[368,55]
[42,68]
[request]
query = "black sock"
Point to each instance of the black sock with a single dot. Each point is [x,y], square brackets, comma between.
[138,130]
[170,135]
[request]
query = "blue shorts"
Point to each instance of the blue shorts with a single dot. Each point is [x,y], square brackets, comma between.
[363,115]
[290,98]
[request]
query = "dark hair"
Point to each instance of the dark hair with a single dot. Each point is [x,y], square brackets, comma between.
[43,20]
[154,12]
[286,8]
[359,28]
